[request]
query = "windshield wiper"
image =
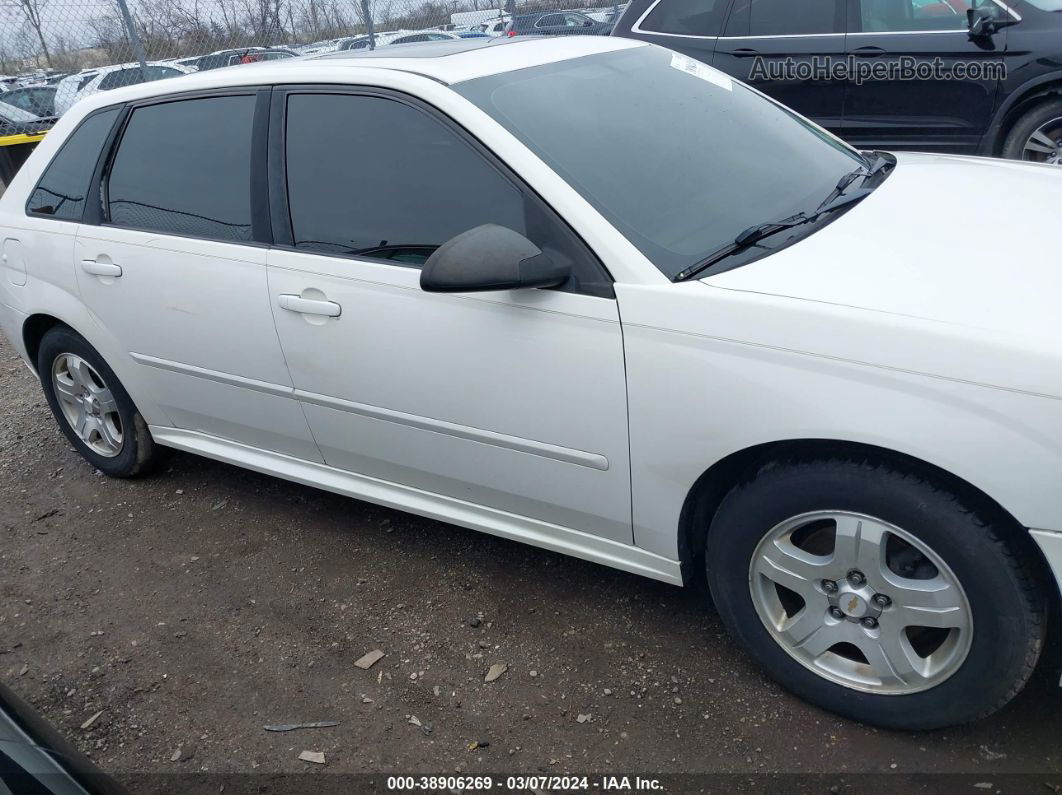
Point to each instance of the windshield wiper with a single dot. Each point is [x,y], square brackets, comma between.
[754,234]
[866,172]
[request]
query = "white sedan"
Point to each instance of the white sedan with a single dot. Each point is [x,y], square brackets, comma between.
[591,295]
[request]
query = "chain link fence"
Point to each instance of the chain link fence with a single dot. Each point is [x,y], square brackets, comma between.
[54,52]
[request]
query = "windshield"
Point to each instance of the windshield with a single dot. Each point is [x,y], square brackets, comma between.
[675,155]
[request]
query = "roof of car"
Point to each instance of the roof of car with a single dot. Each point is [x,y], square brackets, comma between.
[447,62]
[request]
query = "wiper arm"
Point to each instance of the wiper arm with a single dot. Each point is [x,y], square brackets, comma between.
[866,172]
[754,234]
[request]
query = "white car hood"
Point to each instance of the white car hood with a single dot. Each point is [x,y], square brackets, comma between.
[962,240]
[948,257]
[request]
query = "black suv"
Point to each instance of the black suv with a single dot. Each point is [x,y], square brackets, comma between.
[556,23]
[958,76]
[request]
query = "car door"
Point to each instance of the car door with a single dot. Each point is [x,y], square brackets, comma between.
[512,400]
[948,103]
[691,27]
[173,269]
[782,48]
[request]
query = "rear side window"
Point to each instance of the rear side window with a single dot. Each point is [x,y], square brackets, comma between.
[63,187]
[376,178]
[184,168]
[686,17]
[785,18]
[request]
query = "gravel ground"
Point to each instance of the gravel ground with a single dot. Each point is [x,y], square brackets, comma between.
[197,605]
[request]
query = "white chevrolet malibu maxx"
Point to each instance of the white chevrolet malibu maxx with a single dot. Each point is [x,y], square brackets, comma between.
[594,296]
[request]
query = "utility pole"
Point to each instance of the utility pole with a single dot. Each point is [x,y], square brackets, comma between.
[134,38]
[368,23]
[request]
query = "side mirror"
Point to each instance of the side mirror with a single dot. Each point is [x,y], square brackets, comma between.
[489,257]
[985,20]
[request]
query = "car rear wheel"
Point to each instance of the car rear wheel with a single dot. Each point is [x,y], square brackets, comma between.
[1037,136]
[92,407]
[876,593]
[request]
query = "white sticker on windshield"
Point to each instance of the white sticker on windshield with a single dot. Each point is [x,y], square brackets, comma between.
[698,69]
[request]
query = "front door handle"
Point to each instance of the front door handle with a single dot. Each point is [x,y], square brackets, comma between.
[308,306]
[868,52]
[745,52]
[98,268]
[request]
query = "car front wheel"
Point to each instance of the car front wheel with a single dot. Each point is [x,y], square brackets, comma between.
[1037,135]
[876,593]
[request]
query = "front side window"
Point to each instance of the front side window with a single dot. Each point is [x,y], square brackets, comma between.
[184,168]
[65,183]
[785,18]
[373,177]
[669,151]
[548,21]
[686,17]
[888,16]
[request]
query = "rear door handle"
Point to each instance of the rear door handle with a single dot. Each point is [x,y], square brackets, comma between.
[97,268]
[745,52]
[308,306]
[868,52]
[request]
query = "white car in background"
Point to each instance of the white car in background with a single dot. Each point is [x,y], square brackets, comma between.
[680,331]
[75,87]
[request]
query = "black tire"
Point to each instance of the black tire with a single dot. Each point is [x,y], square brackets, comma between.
[1026,125]
[138,451]
[996,571]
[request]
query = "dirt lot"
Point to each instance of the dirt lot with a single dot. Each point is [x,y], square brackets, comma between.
[197,605]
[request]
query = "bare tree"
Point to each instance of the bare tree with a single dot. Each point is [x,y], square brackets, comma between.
[31,13]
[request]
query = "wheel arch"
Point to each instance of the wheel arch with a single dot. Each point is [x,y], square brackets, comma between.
[33,330]
[1020,102]
[708,491]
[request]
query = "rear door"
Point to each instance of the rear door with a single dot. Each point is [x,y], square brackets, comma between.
[175,269]
[944,90]
[780,47]
[511,400]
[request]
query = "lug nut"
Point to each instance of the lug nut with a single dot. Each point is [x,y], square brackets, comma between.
[829,586]
[836,613]
[856,577]
[881,600]
[870,622]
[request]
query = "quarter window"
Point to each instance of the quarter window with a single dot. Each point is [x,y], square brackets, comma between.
[686,17]
[62,189]
[785,18]
[373,177]
[888,16]
[184,168]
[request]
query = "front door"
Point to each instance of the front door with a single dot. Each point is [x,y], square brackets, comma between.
[174,275]
[511,400]
[782,47]
[942,93]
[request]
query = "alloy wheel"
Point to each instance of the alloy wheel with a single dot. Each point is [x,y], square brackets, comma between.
[861,602]
[1045,144]
[88,404]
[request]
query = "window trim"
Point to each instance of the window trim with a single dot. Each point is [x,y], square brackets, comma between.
[108,139]
[283,234]
[260,227]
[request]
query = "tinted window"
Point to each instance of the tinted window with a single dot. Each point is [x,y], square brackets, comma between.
[688,17]
[65,183]
[549,20]
[377,178]
[908,15]
[411,39]
[185,168]
[785,17]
